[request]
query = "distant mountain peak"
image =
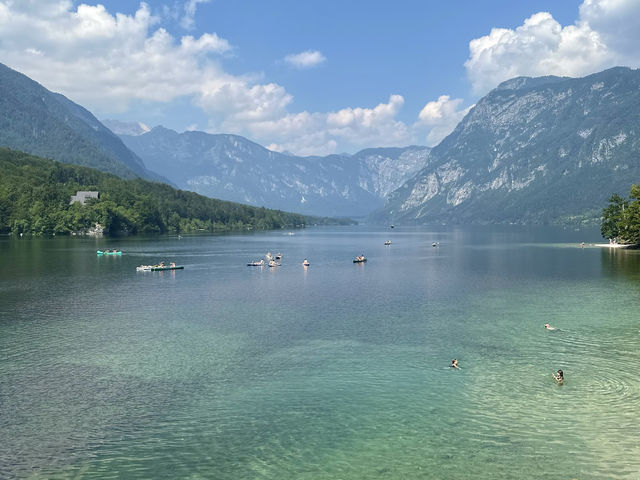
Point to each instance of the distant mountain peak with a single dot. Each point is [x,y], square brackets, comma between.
[126,128]
[521,83]
[231,167]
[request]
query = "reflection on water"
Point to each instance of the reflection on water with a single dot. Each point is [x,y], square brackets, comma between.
[332,371]
[616,261]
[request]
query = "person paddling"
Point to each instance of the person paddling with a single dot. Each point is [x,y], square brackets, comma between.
[454,364]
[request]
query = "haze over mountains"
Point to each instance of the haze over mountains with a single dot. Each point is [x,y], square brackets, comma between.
[534,150]
[233,168]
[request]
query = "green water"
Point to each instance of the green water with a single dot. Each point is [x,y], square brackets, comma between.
[338,371]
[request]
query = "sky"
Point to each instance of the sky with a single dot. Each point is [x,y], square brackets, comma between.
[308,77]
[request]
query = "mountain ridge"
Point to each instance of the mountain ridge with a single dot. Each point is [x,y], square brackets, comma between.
[40,122]
[540,150]
[231,167]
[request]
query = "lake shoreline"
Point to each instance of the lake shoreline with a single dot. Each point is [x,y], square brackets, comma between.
[629,246]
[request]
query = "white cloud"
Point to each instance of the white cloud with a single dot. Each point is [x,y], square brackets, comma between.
[618,24]
[321,133]
[241,103]
[606,34]
[307,59]
[190,7]
[110,62]
[439,118]
[107,61]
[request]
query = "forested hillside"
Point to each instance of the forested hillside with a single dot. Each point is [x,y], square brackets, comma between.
[47,124]
[35,195]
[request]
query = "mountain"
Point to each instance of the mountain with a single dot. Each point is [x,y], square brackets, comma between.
[125,128]
[233,168]
[47,124]
[35,198]
[534,150]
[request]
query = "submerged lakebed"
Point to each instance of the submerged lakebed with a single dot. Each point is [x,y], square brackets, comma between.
[338,370]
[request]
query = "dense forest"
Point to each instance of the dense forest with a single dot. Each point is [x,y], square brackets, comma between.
[35,195]
[621,219]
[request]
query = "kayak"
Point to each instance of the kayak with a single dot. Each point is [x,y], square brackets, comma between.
[100,252]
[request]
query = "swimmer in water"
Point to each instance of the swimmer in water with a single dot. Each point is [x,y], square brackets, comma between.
[559,376]
[549,327]
[454,364]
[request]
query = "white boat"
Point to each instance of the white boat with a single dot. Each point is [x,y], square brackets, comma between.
[159,267]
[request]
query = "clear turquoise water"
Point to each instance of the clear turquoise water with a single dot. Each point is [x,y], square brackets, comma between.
[338,371]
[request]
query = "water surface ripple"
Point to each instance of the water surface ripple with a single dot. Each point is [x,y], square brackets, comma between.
[334,371]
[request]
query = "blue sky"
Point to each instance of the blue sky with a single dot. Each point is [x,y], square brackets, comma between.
[307,77]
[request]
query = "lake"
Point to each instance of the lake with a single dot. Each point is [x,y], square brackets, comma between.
[338,370]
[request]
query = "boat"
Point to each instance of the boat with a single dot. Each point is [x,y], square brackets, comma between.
[268,256]
[109,252]
[278,256]
[273,263]
[305,263]
[388,242]
[359,259]
[435,244]
[156,268]
[392,226]
[159,267]
[256,264]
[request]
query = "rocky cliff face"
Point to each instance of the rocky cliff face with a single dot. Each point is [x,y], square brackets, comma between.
[233,168]
[534,150]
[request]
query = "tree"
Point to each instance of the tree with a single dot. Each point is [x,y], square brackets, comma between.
[612,216]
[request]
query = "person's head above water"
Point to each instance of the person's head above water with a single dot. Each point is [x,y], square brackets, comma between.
[560,374]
